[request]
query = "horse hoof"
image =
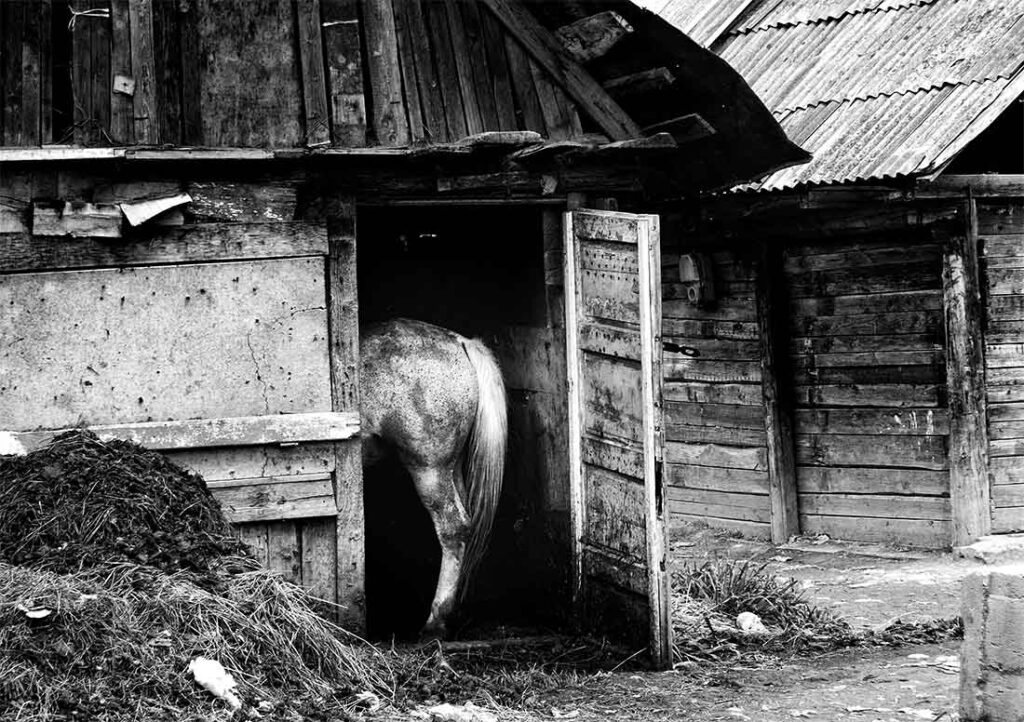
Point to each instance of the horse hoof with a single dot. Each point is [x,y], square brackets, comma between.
[434,633]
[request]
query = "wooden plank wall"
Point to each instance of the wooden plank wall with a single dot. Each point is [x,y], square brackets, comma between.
[716,448]
[283,73]
[1001,235]
[868,375]
[242,258]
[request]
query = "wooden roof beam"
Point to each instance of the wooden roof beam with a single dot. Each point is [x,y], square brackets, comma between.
[579,84]
[593,36]
[646,81]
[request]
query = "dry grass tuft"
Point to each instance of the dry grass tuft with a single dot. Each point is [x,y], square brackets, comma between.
[708,597]
[120,637]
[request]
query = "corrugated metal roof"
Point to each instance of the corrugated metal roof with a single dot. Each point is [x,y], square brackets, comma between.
[874,88]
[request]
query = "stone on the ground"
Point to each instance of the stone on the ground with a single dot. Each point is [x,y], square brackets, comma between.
[468,712]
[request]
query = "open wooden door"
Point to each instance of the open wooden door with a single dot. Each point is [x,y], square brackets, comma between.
[613,332]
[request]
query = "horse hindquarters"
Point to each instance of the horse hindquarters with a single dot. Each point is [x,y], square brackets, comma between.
[484,456]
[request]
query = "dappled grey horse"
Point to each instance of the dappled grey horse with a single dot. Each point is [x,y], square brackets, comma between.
[437,400]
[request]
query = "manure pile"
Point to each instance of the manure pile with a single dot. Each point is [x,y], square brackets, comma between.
[80,502]
[117,568]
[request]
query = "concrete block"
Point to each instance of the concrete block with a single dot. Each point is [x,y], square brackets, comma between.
[1007,584]
[1003,698]
[1003,648]
[973,608]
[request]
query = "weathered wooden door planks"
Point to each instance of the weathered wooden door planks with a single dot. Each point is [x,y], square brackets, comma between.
[613,332]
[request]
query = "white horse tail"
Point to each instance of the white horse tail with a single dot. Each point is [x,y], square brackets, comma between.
[484,459]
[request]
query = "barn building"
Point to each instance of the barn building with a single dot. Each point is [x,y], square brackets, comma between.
[201,200]
[891,332]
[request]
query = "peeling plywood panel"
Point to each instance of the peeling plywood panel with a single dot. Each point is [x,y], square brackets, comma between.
[169,343]
[615,513]
[612,397]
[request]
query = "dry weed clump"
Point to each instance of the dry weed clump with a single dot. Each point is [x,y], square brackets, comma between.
[708,597]
[118,640]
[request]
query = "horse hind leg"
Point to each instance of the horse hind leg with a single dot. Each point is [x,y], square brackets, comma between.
[437,488]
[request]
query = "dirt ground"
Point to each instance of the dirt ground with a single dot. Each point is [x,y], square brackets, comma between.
[868,585]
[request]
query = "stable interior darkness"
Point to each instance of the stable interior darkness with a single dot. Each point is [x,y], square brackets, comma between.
[478,271]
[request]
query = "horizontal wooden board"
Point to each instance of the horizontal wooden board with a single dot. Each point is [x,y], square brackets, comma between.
[870,375]
[867,257]
[882,395]
[678,518]
[834,245]
[722,309]
[873,303]
[1005,376]
[1006,469]
[890,422]
[241,202]
[134,345]
[926,533]
[728,415]
[678,329]
[1008,519]
[730,457]
[999,430]
[1005,281]
[596,226]
[879,324]
[682,368]
[1005,246]
[929,357]
[715,435]
[272,498]
[1003,355]
[713,478]
[908,452]
[1004,217]
[249,462]
[715,349]
[212,433]
[1006,412]
[870,343]
[699,502]
[876,506]
[731,301]
[878,279]
[1007,495]
[863,480]
[1004,394]
[1006,447]
[182,244]
[711,393]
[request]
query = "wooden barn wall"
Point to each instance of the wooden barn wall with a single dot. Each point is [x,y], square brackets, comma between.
[716,450]
[867,375]
[218,312]
[259,73]
[1001,237]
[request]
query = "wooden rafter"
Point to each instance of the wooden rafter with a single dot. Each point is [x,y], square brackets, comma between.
[576,81]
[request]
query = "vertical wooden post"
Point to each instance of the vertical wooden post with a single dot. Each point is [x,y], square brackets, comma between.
[965,380]
[314,86]
[782,492]
[389,119]
[147,119]
[344,72]
[122,107]
[343,315]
